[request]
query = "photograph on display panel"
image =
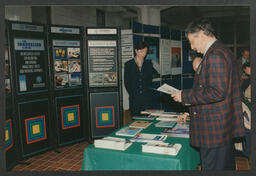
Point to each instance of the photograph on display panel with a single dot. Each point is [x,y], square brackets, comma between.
[60,53]
[73,53]
[176,56]
[74,66]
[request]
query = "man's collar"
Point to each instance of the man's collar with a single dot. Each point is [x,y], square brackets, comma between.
[209,44]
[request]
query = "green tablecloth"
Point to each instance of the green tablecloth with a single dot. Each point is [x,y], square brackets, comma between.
[134,159]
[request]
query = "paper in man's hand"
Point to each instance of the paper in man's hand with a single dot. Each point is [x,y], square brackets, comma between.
[167,89]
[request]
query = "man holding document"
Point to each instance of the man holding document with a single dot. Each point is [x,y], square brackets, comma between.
[214,100]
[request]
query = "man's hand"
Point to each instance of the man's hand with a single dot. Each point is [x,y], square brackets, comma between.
[176,96]
[182,118]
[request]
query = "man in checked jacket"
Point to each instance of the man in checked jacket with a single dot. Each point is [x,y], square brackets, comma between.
[215,106]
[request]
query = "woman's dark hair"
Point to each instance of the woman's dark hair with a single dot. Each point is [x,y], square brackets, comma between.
[247,64]
[200,24]
[141,45]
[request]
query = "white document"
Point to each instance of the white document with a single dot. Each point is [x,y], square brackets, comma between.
[112,143]
[150,138]
[167,89]
[166,114]
[164,148]
[165,118]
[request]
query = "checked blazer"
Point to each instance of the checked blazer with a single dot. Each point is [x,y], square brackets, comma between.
[215,104]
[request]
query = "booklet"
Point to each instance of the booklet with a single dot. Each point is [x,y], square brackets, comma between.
[149,111]
[164,148]
[164,118]
[166,124]
[128,131]
[167,89]
[166,114]
[178,131]
[144,117]
[140,124]
[112,143]
[151,138]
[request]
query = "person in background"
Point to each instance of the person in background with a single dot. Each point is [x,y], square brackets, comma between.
[215,103]
[246,82]
[138,80]
[243,60]
[247,114]
[245,150]
[245,56]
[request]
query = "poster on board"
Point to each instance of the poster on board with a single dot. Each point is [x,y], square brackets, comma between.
[30,64]
[67,63]
[165,57]
[102,63]
[176,57]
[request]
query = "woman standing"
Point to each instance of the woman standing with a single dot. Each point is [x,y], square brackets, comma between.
[138,80]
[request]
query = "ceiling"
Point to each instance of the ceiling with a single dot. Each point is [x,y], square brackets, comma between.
[179,16]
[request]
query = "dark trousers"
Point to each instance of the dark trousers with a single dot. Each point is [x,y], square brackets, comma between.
[220,158]
[247,143]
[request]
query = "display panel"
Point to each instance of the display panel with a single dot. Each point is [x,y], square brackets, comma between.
[70,119]
[67,63]
[104,113]
[102,63]
[35,129]
[30,64]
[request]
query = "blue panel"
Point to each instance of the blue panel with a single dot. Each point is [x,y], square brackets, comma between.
[137,27]
[183,35]
[187,65]
[175,34]
[150,29]
[165,33]
[153,53]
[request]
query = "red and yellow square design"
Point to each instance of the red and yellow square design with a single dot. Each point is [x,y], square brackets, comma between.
[105,116]
[35,128]
[8,134]
[70,116]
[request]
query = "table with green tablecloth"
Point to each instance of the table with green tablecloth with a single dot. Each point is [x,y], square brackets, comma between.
[134,159]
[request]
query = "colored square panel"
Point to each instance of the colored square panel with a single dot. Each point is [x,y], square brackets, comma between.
[35,128]
[8,134]
[7,137]
[105,116]
[70,116]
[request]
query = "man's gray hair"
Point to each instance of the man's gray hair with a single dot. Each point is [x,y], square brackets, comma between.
[201,24]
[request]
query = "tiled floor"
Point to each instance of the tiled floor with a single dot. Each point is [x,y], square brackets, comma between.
[70,159]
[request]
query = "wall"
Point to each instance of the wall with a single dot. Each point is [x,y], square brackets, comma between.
[116,19]
[21,13]
[73,15]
